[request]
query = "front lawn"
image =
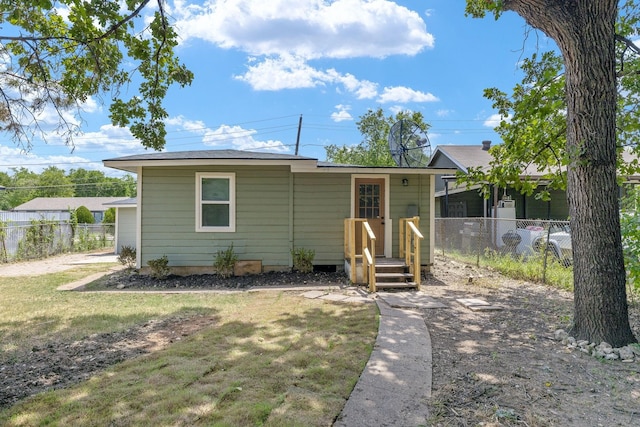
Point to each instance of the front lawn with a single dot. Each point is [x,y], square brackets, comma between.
[264,358]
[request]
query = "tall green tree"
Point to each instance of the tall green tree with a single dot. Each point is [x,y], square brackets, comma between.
[5,181]
[86,182]
[22,188]
[585,32]
[53,182]
[373,150]
[93,183]
[57,54]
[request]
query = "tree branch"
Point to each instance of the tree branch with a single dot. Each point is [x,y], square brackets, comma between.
[629,45]
[103,36]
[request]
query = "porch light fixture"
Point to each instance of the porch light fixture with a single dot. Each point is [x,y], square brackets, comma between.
[405,182]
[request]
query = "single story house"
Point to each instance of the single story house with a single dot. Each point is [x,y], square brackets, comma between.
[125,226]
[454,200]
[63,204]
[461,201]
[192,204]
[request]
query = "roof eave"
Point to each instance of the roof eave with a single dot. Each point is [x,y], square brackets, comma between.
[133,165]
[351,169]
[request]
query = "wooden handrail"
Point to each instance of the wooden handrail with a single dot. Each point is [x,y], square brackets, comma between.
[369,268]
[368,254]
[350,250]
[369,260]
[410,237]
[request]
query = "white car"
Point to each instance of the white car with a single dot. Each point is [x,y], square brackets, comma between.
[559,245]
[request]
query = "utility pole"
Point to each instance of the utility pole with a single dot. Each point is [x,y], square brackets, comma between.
[298,138]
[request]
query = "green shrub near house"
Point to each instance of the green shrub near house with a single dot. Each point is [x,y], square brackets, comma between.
[84,215]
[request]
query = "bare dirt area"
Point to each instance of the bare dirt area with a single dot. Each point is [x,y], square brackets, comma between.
[62,364]
[491,368]
[503,368]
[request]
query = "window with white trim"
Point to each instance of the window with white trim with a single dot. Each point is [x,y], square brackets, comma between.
[215,202]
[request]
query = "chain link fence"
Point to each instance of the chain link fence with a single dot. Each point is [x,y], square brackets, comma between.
[529,241]
[42,239]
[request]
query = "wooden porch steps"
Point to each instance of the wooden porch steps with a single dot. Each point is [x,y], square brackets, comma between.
[393,274]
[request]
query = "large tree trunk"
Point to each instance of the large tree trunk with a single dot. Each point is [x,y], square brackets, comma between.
[584,31]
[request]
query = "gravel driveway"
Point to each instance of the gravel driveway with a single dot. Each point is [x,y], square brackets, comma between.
[55,264]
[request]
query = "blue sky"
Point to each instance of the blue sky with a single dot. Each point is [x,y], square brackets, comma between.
[259,65]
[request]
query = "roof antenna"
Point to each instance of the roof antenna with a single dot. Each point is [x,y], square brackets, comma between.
[298,138]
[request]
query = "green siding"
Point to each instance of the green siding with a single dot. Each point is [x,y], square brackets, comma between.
[262,216]
[416,193]
[321,203]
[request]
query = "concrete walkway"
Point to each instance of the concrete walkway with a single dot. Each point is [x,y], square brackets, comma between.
[394,387]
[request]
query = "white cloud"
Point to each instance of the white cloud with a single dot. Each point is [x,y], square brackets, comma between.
[226,136]
[282,36]
[306,28]
[404,95]
[494,120]
[109,139]
[443,113]
[342,114]
[285,72]
[289,72]
[395,109]
[15,158]
[362,89]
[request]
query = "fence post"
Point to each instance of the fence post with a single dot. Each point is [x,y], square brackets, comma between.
[478,237]
[546,252]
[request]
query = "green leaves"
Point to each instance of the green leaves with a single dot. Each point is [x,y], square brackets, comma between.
[479,8]
[533,131]
[374,148]
[60,56]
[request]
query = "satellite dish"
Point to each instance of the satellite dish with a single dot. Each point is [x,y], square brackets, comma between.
[409,144]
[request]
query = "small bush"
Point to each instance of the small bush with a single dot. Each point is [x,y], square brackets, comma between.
[84,215]
[159,267]
[303,259]
[109,216]
[127,256]
[225,261]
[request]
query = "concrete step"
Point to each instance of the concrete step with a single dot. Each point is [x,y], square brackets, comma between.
[396,285]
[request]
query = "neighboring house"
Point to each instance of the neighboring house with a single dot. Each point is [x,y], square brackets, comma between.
[462,201]
[190,205]
[125,232]
[63,204]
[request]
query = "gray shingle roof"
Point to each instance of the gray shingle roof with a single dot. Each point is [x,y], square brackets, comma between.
[94,204]
[211,155]
[467,156]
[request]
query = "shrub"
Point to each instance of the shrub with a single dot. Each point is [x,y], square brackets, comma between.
[127,256]
[3,243]
[225,261]
[39,240]
[159,267]
[84,215]
[303,259]
[109,216]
